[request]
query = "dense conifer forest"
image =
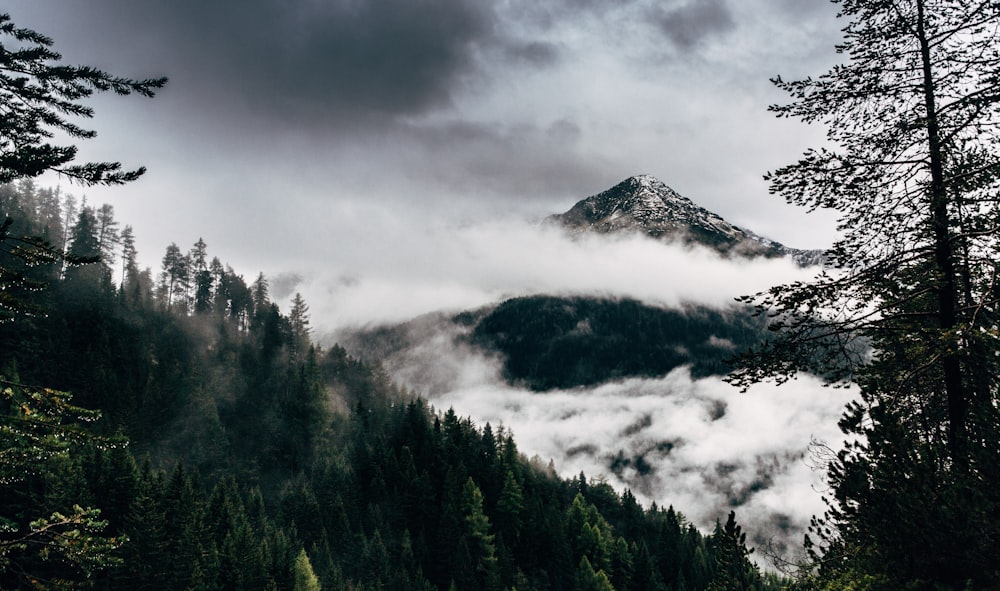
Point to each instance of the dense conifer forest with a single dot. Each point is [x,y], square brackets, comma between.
[564,342]
[233,453]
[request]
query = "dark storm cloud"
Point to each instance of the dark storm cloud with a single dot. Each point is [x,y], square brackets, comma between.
[534,53]
[689,24]
[301,59]
[521,161]
[387,56]
[347,65]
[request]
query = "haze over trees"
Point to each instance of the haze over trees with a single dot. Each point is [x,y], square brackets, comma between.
[908,307]
[232,453]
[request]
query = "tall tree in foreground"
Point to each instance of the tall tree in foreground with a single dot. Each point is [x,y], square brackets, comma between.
[40,98]
[907,308]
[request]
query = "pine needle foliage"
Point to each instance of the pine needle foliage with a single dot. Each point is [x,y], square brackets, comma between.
[907,306]
[40,97]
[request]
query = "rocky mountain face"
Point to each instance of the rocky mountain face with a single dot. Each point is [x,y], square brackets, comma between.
[646,205]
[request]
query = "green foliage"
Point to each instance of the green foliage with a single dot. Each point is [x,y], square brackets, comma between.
[733,569]
[38,96]
[907,310]
[476,543]
[39,428]
[29,261]
[587,579]
[305,578]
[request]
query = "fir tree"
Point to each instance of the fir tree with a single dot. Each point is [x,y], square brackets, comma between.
[304,577]
[37,94]
[907,309]
[733,569]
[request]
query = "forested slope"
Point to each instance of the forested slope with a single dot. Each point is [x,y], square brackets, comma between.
[562,342]
[234,454]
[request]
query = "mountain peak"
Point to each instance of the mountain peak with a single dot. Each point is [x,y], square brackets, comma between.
[645,204]
[645,181]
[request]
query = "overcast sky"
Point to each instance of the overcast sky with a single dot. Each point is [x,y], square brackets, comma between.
[303,135]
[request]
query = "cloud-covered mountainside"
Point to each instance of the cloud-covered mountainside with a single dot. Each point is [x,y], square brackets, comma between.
[564,342]
[550,342]
[627,387]
[695,443]
[646,205]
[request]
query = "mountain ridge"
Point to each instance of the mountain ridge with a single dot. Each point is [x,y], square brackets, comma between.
[644,204]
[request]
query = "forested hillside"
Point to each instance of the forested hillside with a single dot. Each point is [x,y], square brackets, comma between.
[232,453]
[558,342]
[552,342]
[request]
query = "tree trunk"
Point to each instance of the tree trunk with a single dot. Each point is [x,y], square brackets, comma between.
[946,287]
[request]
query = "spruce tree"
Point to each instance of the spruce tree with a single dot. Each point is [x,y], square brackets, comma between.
[130,256]
[39,98]
[298,320]
[203,278]
[304,577]
[476,560]
[733,569]
[907,306]
[175,278]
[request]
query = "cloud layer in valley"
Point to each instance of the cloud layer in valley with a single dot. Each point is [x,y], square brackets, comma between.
[697,444]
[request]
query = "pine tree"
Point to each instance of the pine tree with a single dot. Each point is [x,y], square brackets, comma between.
[175,277]
[36,96]
[130,256]
[107,233]
[733,569]
[510,509]
[298,320]
[203,277]
[589,533]
[49,214]
[587,579]
[39,430]
[83,240]
[304,577]
[476,559]
[260,294]
[907,309]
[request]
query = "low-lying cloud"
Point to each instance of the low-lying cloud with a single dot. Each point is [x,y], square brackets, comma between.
[697,444]
[391,273]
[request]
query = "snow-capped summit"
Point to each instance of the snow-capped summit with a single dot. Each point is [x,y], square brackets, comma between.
[645,204]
